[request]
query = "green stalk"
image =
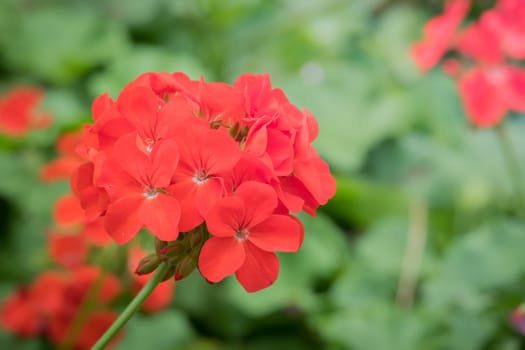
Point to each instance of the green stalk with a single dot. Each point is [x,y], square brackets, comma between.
[132,307]
[513,167]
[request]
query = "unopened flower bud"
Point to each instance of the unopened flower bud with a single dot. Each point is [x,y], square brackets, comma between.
[159,245]
[148,264]
[173,251]
[196,238]
[185,267]
[169,274]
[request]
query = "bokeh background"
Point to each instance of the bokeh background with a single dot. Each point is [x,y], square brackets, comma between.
[414,178]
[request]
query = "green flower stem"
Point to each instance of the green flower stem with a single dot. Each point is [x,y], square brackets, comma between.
[513,166]
[132,307]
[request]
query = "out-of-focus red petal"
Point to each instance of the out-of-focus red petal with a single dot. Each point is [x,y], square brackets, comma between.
[68,250]
[59,169]
[480,43]
[481,99]
[67,211]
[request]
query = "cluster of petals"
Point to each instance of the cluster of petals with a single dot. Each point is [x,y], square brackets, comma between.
[48,307]
[19,111]
[169,150]
[489,82]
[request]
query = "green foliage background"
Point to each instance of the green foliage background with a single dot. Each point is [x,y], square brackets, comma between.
[394,138]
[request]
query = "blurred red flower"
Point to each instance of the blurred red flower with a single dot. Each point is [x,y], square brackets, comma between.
[18,111]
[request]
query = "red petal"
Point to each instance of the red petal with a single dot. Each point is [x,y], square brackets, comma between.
[185,191]
[260,200]
[59,169]
[280,150]
[481,99]
[140,106]
[226,217]
[514,89]
[219,151]
[127,155]
[165,158]
[121,220]
[100,105]
[161,215]
[220,257]
[260,269]
[280,233]
[96,233]
[67,211]
[207,195]
[67,250]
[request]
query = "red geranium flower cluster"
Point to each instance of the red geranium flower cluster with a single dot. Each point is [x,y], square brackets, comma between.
[49,306]
[18,111]
[489,80]
[177,156]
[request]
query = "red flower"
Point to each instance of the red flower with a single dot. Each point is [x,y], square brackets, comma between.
[481,43]
[245,233]
[137,182]
[27,311]
[70,219]
[153,119]
[506,21]
[489,93]
[439,34]
[68,250]
[169,149]
[48,307]
[204,154]
[18,111]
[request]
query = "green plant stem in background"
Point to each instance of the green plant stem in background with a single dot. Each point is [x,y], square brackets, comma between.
[513,167]
[133,306]
[414,252]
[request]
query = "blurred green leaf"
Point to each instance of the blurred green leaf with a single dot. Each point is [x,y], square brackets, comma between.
[167,330]
[61,44]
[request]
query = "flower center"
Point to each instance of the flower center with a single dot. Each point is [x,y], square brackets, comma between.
[200,177]
[149,144]
[150,193]
[242,234]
